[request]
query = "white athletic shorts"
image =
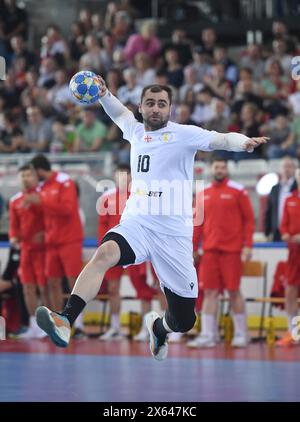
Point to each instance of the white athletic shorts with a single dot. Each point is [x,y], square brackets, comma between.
[171,256]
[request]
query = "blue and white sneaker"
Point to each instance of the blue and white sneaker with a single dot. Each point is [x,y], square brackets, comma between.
[158,352]
[56,326]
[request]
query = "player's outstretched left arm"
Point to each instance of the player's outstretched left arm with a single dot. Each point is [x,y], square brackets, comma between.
[236,142]
[114,108]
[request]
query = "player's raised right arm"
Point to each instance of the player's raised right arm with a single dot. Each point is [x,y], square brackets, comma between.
[115,109]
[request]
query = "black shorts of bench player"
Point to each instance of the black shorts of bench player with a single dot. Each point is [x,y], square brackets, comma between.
[180,315]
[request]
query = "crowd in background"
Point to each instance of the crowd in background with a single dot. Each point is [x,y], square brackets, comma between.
[255,94]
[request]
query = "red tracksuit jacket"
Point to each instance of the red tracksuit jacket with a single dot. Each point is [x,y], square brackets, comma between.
[25,222]
[228,218]
[61,210]
[291,214]
[112,204]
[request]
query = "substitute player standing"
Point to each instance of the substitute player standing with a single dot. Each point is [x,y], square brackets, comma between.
[227,233]
[26,230]
[58,199]
[290,233]
[157,223]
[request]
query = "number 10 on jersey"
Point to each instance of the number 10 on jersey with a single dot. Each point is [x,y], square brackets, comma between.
[143,163]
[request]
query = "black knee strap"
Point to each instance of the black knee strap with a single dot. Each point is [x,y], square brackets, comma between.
[127,255]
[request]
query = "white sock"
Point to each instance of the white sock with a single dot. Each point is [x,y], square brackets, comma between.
[216,329]
[240,324]
[79,322]
[115,321]
[32,322]
[208,324]
[290,324]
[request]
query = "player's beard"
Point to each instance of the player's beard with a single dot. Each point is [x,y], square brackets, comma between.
[219,177]
[155,124]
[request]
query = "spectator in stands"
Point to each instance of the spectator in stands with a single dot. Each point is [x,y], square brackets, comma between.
[246,91]
[11,137]
[249,126]
[92,59]
[76,41]
[254,61]
[54,45]
[282,139]
[209,38]
[227,233]
[231,70]
[121,28]
[173,68]
[47,73]
[90,134]
[26,231]
[217,83]
[85,19]
[145,74]
[279,48]
[183,115]
[290,233]
[182,44]
[13,21]
[190,82]
[205,106]
[280,32]
[276,199]
[294,100]
[201,62]
[131,91]
[221,121]
[114,79]
[37,132]
[10,91]
[98,26]
[146,42]
[63,136]
[59,96]
[275,89]
[21,51]
[63,229]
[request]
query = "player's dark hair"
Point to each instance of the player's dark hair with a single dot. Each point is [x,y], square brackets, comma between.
[157,88]
[41,162]
[123,167]
[25,167]
[218,160]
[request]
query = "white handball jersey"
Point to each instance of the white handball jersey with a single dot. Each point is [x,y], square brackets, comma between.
[162,168]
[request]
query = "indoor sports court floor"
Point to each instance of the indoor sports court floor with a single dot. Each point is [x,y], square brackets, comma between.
[123,371]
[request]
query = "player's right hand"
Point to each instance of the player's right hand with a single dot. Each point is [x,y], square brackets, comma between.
[103,86]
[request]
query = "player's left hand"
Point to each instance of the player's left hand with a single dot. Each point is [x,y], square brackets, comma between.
[32,198]
[246,254]
[255,142]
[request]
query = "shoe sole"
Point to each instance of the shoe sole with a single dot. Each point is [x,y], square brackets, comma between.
[149,324]
[45,322]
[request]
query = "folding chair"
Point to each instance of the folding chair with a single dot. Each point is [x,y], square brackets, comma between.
[257,269]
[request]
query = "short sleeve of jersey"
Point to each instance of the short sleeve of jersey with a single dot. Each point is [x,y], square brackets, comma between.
[198,138]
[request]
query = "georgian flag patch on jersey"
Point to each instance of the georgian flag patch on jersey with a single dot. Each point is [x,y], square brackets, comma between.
[147,138]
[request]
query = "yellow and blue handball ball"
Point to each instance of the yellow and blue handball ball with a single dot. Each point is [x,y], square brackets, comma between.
[85,86]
